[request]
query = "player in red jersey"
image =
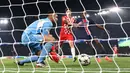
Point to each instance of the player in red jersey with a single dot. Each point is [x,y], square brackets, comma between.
[66,33]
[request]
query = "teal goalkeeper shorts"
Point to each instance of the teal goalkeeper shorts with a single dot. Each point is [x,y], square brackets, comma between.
[32,41]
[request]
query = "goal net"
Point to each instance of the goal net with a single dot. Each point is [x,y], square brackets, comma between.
[108,25]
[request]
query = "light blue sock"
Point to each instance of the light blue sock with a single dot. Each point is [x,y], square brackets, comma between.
[29,59]
[45,50]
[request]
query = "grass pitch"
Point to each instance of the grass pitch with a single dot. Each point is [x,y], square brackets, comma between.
[119,64]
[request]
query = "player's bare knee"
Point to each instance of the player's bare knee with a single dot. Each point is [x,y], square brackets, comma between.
[71,43]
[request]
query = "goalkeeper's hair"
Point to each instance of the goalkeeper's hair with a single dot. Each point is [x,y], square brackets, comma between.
[50,12]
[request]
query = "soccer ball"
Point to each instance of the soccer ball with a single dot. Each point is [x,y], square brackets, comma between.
[84,59]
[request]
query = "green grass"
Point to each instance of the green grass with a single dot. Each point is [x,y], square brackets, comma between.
[69,66]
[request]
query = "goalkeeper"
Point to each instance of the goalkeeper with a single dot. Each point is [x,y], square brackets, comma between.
[37,38]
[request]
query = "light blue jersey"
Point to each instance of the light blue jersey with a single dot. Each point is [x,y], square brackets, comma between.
[33,35]
[41,26]
[38,29]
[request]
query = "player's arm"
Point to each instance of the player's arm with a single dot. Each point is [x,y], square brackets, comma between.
[100,27]
[46,34]
[49,38]
[75,24]
[93,22]
[66,21]
[69,23]
[79,21]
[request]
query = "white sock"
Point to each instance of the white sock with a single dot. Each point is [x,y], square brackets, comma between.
[73,52]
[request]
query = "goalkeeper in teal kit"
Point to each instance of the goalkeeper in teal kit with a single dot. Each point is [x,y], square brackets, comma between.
[37,38]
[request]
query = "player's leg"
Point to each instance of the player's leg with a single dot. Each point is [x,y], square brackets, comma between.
[62,39]
[103,50]
[45,50]
[72,50]
[30,59]
[100,45]
[90,44]
[71,44]
[32,46]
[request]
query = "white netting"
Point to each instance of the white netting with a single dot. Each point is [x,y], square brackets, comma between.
[16,15]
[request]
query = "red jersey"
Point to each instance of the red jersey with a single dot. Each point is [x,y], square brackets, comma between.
[64,28]
[86,22]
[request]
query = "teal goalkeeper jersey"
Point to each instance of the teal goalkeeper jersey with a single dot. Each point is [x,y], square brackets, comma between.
[41,26]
